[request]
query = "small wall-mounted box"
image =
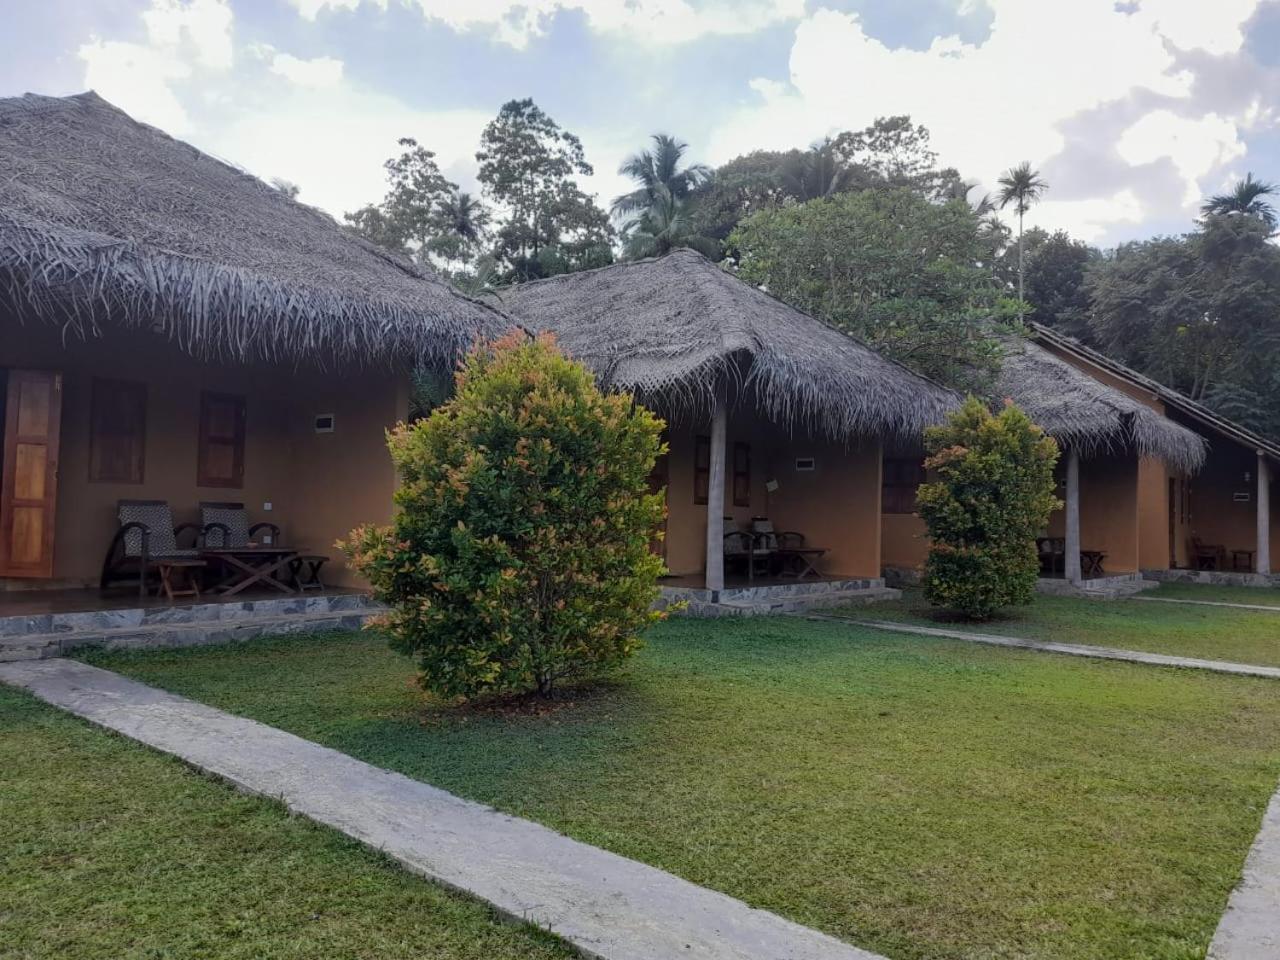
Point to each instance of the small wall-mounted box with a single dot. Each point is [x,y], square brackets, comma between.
[806,465]
[1240,497]
[325,422]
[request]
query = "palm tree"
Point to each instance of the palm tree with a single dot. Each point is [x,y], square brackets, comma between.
[1022,187]
[658,169]
[661,228]
[960,190]
[1247,198]
[460,223]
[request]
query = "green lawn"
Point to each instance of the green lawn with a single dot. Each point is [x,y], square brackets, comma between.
[1256,596]
[917,797]
[1216,633]
[108,850]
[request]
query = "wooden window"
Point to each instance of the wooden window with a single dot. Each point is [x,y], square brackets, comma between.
[742,475]
[220,458]
[701,469]
[902,477]
[117,432]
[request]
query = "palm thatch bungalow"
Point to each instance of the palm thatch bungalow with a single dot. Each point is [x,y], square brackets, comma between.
[772,415]
[1214,517]
[173,329]
[1125,460]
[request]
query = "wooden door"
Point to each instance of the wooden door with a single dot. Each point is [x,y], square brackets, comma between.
[28,485]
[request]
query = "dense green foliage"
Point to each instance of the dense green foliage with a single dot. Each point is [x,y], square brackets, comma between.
[519,553]
[898,271]
[655,216]
[1199,313]
[991,497]
[920,798]
[111,850]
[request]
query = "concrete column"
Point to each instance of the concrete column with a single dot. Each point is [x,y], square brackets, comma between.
[1072,559]
[715,500]
[1264,515]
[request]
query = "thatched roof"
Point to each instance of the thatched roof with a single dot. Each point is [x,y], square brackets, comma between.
[1081,411]
[1172,399]
[104,220]
[677,328]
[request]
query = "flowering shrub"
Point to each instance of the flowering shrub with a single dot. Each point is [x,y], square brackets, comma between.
[993,493]
[519,553]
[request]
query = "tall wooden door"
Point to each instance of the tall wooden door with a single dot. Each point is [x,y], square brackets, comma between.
[29,479]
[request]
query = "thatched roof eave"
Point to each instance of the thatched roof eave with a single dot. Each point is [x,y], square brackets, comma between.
[681,330]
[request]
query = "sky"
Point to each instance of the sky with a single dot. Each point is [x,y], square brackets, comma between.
[1133,111]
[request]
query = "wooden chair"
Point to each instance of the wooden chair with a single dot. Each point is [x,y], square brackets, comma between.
[745,549]
[226,526]
[147,535]
[1207,556]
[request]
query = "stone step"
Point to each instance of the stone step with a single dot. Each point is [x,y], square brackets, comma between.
[776,605]
[195,633]
[218,610]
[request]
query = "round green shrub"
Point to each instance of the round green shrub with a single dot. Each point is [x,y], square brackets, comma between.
[519,554]
[991,497]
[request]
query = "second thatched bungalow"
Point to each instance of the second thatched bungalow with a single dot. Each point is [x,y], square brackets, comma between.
[777,422]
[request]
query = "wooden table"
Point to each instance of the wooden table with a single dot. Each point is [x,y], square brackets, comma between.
[1238,555]
[247,566]
[1091,562]
[803,561]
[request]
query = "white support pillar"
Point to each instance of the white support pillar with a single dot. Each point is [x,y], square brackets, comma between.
[1072,560]
[1264,515]
[715,500]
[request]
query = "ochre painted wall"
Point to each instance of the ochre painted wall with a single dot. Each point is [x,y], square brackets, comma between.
[836,506]
[1108,509]
[319,486]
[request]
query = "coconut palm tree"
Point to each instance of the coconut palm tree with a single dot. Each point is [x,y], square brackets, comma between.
[1022,187]
[459,227]
[1247,198]
[662,227]
[658,169]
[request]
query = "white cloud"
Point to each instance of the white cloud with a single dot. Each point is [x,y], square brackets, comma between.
[1195,146]
[141,74]
[998,102]
[515,22]
[319,73]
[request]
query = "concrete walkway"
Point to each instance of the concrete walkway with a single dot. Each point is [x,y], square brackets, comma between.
[1250,929]
[1210,603]
[605,905]
[1070,649]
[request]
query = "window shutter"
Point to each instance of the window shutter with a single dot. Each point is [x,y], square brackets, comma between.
[220,460]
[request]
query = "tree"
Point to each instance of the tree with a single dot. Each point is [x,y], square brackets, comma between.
[1247,198]
[890,267]
[519,554]
[527,163]
[419,216]
[461,224]
[663,227]
[658,176]
[1198,312]
[1056,268]
[892,153]
[993,494]
[1022,187]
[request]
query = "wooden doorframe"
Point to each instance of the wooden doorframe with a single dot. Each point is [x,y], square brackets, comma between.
[34,492]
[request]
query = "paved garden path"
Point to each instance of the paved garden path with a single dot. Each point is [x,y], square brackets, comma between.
[1250,929]
[605,905]
[1211,603]
[1071,649]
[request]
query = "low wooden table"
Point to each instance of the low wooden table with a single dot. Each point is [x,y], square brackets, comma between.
[248,566]
[1091,562]
[1246,556]
[802,559]
[173,568]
